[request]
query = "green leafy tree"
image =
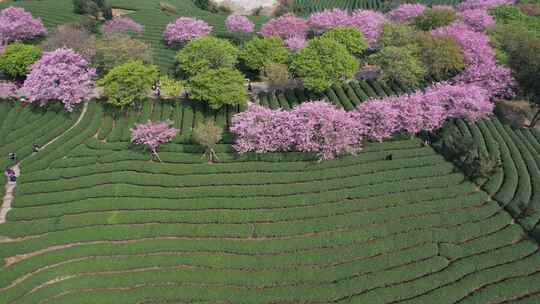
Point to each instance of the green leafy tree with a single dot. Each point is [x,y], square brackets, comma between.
[218,87]
[92,8]
[322,63]
[259,52]
[276,74]
[399,64]
[206,53]
[434,18]
[442,56]
[116,49]
[208,134]
[17,57]
[524,59]
[350,37]
[129,82]
[396,34]
[170,87]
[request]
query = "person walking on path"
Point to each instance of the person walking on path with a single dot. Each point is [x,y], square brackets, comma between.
[12,156]
[11,175]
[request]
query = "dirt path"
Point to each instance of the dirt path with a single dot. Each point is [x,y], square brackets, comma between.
[8,196]
[10,186]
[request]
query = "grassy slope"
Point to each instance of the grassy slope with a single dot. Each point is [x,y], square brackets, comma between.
[253,229]
[54,12]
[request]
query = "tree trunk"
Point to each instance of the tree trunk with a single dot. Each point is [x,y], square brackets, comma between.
[535,119]
[154,152]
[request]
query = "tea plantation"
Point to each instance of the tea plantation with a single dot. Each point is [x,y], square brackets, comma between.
[516,185]
[95,222]
[97,216]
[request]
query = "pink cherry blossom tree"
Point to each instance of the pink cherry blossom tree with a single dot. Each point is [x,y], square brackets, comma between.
[263,130]
[378,118]
[153,134]
[325,130]
[478,19]
[285,27]
[239,23]
[185,29]
[468,102]
[16,24]
[295,43]
[328,19]
[370,23]
[122,24]
[481,67]
[406,12]
[418,112]
[60,75]
[312,127]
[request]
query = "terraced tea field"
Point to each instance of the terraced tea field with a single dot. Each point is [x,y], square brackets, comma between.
[347,95]
[517,185]
[94,221]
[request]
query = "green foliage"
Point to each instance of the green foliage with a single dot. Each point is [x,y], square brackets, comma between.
[129,82]
[434,18]
[521,49]
[206,53]
[524,59]
[442,56]
[170,87]
[502,38]
[17,57]
[207,134]
[513,15]
[507,13]
[322,63]
[464,152]
[218,87]
[350,37]
[396,34]
[259,52]
[276,74]
[481,166]
[116,49]
[92,8]
[399,64]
